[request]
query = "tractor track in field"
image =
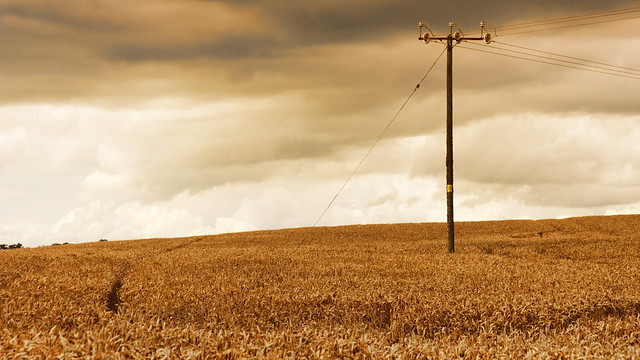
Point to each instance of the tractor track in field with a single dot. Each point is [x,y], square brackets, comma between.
[112,298]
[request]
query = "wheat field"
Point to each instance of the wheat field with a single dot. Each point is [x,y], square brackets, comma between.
[514,289]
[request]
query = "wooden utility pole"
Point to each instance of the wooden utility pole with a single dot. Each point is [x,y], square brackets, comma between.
[449,158]
[448,39]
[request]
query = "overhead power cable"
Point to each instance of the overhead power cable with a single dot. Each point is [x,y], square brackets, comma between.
[384,131]
[550,61]
[605,65]
[573,18]
[569,26]
[569,21]
[588,64]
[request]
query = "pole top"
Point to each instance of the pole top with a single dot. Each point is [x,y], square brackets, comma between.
[458,36]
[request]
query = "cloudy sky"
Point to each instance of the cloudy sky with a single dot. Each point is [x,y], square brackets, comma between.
[158,118]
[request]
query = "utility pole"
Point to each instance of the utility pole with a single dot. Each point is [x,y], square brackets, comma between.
[448,39]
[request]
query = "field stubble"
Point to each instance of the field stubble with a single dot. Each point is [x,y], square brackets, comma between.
[520,289]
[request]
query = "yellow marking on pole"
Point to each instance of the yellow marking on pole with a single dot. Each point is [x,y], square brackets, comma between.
[449,188]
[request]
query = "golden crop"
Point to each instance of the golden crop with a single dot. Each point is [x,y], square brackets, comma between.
[513,289]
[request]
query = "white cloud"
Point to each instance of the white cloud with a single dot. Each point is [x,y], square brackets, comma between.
[27,234]
[126,221]
[498,176]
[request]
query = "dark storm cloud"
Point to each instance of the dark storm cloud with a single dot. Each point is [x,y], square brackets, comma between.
[81,41]
[231,47]
[315,23]
[133,32]
[79,16]
[283,25]
[93,49]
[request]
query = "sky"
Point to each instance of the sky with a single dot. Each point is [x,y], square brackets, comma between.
[164,118]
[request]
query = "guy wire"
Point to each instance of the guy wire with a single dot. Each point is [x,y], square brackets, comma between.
[372,146]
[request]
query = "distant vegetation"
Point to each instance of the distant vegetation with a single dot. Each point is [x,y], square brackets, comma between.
[513,289]
[13,246]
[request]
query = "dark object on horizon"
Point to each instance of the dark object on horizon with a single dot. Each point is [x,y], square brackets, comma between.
[13,246]
[102,240]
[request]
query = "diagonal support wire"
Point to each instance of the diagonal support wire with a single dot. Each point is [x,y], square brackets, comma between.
[373,146]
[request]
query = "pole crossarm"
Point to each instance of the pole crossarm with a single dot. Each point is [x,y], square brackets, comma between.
[458,36]
[448,39]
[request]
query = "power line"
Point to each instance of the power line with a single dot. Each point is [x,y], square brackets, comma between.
[564,60]
[580,62]
[570,57]
[573,18]
[550,63]
[373,146]
[570,21]
[570,26]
